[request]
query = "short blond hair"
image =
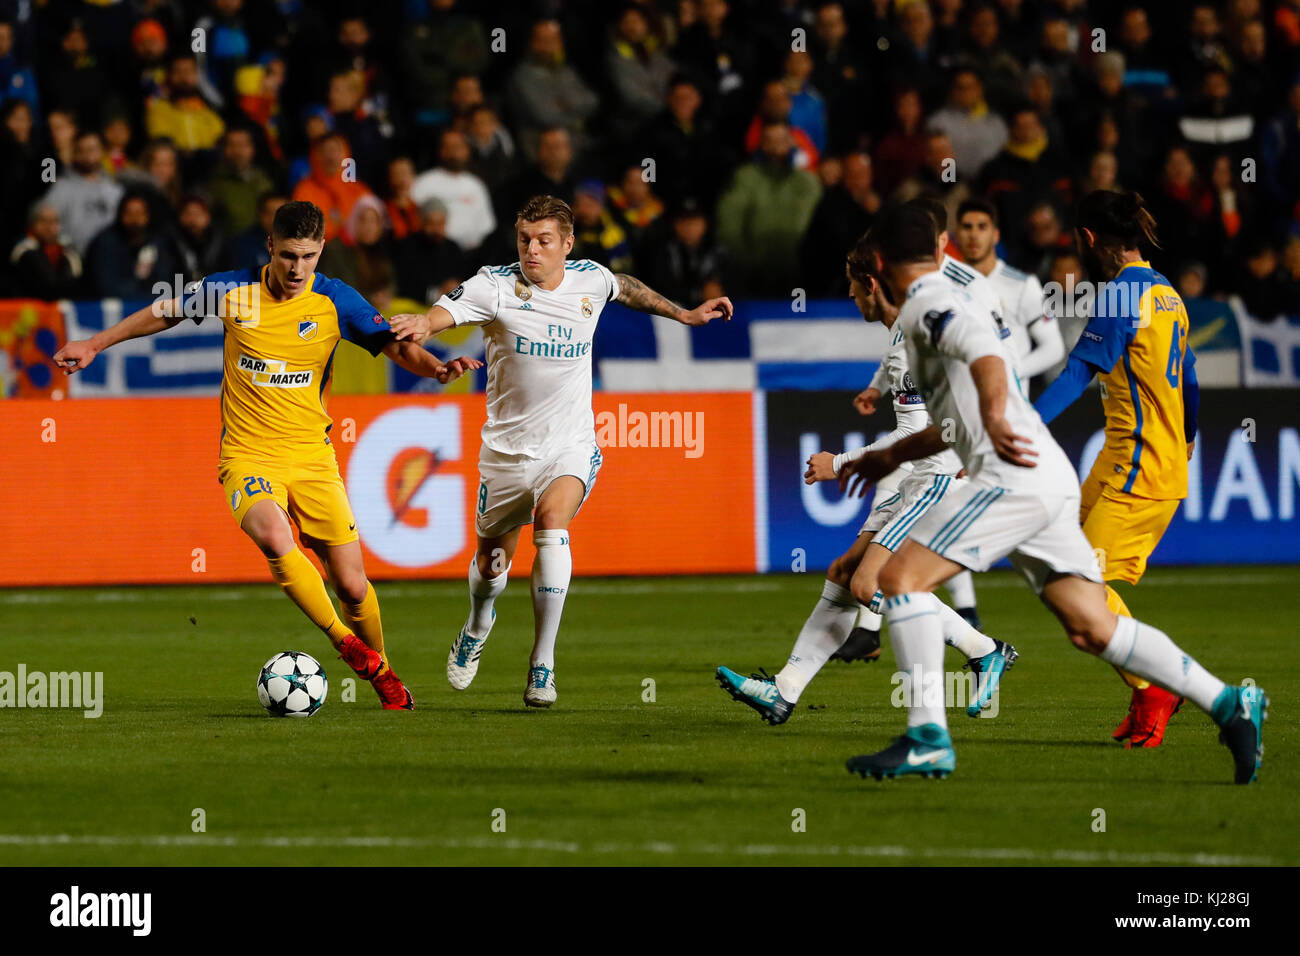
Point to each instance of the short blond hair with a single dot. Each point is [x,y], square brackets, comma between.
[547,207]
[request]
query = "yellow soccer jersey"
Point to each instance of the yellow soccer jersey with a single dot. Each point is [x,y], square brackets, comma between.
[1138,332]
[278,357]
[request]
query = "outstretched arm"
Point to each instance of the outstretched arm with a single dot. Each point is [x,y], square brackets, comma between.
[825,466]
[1065,389]
[861,474]
[153,318]
[417,359]
[635,294]
[418,329]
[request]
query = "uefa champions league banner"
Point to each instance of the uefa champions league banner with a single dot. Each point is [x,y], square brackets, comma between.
[1244,477]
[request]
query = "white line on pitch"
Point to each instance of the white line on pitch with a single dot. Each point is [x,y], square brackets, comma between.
[660,848]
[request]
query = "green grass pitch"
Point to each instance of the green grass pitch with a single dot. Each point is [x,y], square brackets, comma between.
[607,776]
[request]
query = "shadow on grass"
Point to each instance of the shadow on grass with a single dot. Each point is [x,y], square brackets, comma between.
[1110,744]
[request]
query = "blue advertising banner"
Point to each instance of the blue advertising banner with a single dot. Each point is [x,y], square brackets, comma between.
[1244,477]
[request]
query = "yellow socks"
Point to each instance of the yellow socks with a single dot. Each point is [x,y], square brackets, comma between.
[299,579]
[365,623]
[1116,604]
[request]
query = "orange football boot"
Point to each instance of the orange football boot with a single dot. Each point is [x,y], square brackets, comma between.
[1150,712]
[366,662]
[392,692]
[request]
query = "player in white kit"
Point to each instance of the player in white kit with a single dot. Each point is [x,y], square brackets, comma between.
[1036,334]
[851,579]
[1021,501]
[864,640]
[539,456]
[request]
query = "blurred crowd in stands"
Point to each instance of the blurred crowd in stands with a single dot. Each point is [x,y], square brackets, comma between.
[711,146]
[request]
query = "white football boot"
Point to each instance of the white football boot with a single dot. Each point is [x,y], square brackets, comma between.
[462,662]
[540,689]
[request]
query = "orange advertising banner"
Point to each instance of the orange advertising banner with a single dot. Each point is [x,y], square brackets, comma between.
[125,491]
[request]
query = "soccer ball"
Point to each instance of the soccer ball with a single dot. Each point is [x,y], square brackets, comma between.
[292,684]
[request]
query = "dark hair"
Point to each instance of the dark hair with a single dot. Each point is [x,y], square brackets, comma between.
[1117,219]
[298,220]
[861,260]
[937,209]
[547,207]
[905,233]
[978,204]
[134,194]
[266,197]
[11,105]
[194,197]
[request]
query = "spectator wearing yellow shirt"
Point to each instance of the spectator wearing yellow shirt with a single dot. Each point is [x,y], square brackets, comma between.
[180,114]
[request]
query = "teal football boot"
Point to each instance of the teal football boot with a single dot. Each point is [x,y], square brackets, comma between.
[757,691]
[925,749]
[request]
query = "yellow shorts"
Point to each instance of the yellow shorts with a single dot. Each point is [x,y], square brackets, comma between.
[1123,529]
[309,490]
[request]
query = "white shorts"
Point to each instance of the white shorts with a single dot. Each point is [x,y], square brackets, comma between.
[511,485]
[891,519]
[978,524]
[886,486]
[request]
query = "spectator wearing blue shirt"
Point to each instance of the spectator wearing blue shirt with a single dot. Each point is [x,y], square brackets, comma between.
[16,81]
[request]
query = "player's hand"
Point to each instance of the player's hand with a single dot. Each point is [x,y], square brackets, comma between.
[456,368]
[860,475]
[710,309]
[821,467]
[865,402]
[410,326]
[74,356]
[1191,447]
[1011,447]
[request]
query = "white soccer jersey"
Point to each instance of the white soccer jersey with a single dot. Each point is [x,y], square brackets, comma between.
[974,282]
[538,346]
[909,406]
[1021,295]
[946,326]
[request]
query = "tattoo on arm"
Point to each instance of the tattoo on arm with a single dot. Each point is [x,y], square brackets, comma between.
[635,294]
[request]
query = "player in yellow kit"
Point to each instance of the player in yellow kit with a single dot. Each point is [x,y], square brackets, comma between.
[1136,342]
[283,323]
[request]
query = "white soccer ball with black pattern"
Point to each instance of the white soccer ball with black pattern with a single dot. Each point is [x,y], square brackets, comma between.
[292,684]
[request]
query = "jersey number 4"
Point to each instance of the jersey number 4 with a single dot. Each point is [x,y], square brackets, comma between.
[1174,369]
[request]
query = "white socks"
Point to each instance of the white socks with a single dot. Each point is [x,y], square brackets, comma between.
[1148,652]
[959,634]
[483,592]
[916,631]
[961,588]
[552,569]
[827,628]
[869,619]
